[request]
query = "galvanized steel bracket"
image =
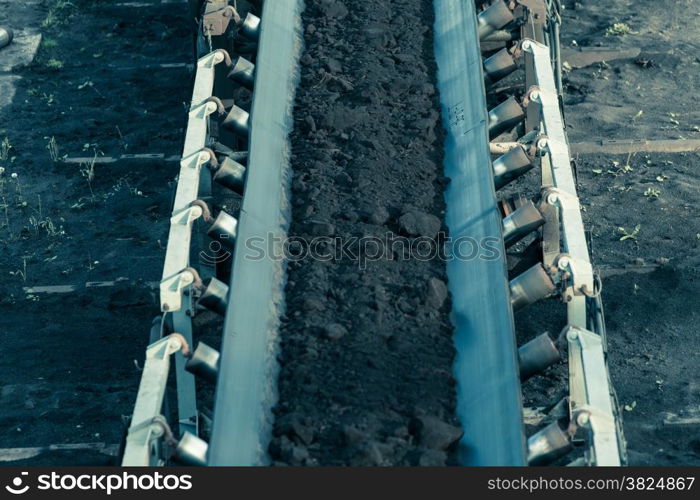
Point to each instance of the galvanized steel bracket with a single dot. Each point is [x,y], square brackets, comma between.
[580,277]
[171,286]
[212,59]
[590,401]
[142,448]
[217,17]
[535,10]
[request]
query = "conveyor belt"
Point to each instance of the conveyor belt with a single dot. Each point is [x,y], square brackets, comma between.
[486,368]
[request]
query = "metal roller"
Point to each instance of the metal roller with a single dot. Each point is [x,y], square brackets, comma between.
[529,287]
[520,223]
[204,362]
[6,36]
[510,166]
[243,72]
[498,66]
[250,27]
[493,18]
[223,230]
[215,296]
[237,121]
[191,450]
[537,355]
[549,444]
[231,175]
[505,116]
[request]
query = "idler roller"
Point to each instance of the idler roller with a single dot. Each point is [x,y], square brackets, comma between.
[529,287]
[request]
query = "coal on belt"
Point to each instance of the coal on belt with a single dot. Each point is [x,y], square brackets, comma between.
[367,352]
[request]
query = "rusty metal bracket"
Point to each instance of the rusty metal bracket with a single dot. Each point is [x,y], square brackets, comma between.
[217,17]
[574,277]
[534,11]
[551,234]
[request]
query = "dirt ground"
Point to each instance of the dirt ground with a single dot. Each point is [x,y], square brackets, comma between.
[651,291]
[367,353]
[68,364]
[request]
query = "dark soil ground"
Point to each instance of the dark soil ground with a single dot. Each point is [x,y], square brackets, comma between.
[652,318]
[367,352]
[68,371]
[654,346]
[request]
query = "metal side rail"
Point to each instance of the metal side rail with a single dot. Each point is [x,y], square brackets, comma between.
[591,398]
[176,297]
[553,259]
[556,261]
[489,403]
[150,440]
[246,387]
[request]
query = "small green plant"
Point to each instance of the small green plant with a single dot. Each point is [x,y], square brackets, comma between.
[92,264]
[54,64]
[86,84]
[624,169]
[54,152]
[652,193]
[45,224]
[87,170]
[22,273]
[57,13]
[6,211]
[49,43]
[626,235]
[5,148]
[48,98]
[50,20]
[18,189]
[619,29]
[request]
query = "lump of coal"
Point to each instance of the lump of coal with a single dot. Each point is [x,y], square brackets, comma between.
[435,434]
[419,224]
[436,293]
[335,331]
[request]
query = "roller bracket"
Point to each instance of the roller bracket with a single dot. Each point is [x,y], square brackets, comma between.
[172,289]
[216,19]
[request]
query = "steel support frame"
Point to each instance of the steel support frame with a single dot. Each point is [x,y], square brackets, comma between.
[591,399]
[175,288]
[175,292]
[142,441]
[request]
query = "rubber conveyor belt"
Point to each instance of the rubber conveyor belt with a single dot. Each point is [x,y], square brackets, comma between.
[486,369]
[246,388]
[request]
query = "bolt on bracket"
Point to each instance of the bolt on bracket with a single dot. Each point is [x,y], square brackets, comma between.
[591,403]
[574,276]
